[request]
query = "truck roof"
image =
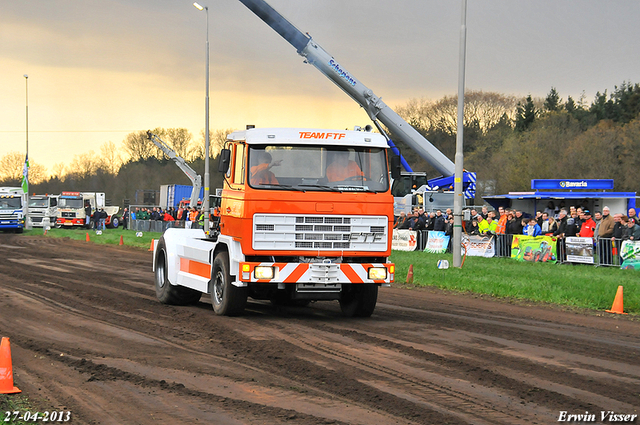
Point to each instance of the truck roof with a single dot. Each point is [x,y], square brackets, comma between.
[309,136]
[11,190]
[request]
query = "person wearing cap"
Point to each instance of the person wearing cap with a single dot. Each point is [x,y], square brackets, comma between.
[633,230]
[588,225]
[490,226]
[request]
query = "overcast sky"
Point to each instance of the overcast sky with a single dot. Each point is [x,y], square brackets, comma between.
[99,70]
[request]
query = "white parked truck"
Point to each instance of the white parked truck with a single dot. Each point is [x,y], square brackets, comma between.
[71,209]
[12,200]
[43,210]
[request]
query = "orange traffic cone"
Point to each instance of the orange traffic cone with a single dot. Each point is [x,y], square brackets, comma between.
[6,370]
[151,247]
[87,239]
[617,303]
[121,241]
[410,274]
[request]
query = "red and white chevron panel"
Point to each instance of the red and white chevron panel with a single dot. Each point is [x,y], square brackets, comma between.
[314,273]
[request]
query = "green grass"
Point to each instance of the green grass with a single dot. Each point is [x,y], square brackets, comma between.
[581,286]
[108,236]
[10,403]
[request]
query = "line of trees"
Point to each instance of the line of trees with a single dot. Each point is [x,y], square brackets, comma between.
[136,164]
[507,140]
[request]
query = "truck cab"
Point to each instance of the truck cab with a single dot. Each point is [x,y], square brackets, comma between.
[305,215]
[71,209]
[43,210]
[12,209]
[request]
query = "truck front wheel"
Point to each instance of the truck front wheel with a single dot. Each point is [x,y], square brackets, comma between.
[165,291]
[227,299]
[359,300]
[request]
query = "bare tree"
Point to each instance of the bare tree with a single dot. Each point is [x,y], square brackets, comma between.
[216,143]
[110,159]
[59,170]
[140,148]
[178,139]
[12,164]
[84,165]
[484,108]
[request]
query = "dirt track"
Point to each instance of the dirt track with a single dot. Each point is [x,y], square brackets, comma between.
[88,335]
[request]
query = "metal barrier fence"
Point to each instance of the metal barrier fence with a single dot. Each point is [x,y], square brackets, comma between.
[158,225]
[606,250]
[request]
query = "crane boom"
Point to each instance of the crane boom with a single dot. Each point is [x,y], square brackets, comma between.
[196,180]
[332,69]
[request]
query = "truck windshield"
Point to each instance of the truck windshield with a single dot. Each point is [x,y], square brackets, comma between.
[323,168]
[38,203]
[70,203]
[10,203]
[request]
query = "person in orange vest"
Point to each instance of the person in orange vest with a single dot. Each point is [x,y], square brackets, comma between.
[193,216]
[501,228]
[260,173]
[342,168]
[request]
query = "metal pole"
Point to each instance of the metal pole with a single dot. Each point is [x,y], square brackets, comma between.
[458,199]
[206,139]
[205,201]
[26,205]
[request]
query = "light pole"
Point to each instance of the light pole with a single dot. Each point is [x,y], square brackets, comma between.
[26,201]
[205,203]
[459,170]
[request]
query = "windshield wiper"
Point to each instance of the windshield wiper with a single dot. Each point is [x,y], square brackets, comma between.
[277,186]
[319,186]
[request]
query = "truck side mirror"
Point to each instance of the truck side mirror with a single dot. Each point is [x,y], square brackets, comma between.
[225,159]
[395,166]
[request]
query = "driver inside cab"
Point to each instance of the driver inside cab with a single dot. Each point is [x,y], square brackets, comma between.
[260,173]
[342,168]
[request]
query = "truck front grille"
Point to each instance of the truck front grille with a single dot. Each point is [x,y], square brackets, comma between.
[317,232]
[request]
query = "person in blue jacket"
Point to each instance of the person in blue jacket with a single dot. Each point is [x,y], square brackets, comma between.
[533,228]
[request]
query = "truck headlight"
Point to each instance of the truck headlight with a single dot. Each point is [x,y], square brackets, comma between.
[378,273]
[263,272]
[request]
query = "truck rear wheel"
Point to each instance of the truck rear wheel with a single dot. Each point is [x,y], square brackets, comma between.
[359,300]
[114,222]
[165,291]
[226,299]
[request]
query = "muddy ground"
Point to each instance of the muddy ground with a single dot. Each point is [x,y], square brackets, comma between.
[88,336]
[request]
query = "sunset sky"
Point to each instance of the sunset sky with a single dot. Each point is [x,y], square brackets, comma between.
[99,70]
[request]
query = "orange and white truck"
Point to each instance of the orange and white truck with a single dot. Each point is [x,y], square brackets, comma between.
[71,209]
[306,215]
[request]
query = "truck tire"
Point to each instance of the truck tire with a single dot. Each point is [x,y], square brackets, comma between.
[165,291]
[226,299]
[114,222]
[359,300]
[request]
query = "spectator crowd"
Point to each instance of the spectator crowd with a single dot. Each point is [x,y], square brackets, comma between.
[189,217]
[558,222]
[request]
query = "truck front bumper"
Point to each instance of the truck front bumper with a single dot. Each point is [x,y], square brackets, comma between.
[317,273]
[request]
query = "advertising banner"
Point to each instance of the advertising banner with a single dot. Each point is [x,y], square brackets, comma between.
[579,250]
[534,248]
[630,255]
[437,242]
[404,240]
[479,246]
